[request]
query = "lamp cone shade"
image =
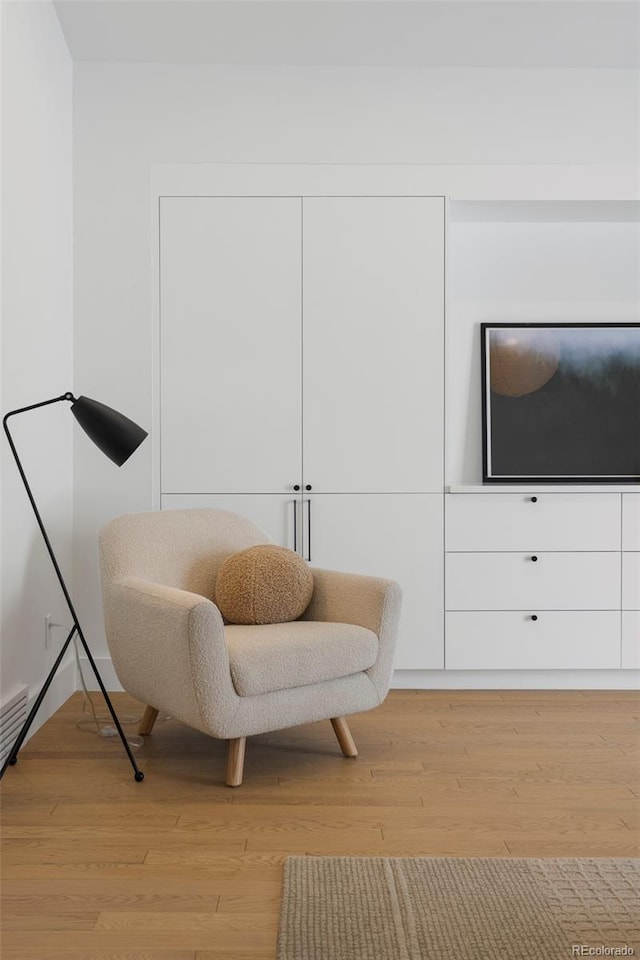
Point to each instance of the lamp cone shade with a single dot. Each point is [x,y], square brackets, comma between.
[112,432]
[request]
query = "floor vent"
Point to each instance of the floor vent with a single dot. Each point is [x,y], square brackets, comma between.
[13,714]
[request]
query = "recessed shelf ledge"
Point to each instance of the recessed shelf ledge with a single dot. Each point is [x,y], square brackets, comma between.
[543,488]
[541,211]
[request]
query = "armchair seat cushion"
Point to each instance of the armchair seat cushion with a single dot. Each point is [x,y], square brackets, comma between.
[280,656]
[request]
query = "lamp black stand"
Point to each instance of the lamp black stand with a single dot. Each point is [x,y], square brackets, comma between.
[117,437]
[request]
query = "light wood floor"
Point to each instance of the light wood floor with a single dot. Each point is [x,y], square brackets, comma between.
[181,867]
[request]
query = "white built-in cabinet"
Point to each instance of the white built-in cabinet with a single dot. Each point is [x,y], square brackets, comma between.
[301,382]
[539,579]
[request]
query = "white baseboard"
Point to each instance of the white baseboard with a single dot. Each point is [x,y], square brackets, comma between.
[62,687]
[516,680]
[106,670]
[455,679]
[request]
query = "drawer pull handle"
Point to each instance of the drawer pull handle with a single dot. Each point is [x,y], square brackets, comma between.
[534,499]
[534,616]
[534,559]
[296,486]
[308,486]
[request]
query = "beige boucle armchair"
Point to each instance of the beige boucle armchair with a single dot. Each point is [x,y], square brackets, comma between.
[172,650]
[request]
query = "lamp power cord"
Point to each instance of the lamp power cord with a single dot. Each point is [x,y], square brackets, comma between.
[102,726]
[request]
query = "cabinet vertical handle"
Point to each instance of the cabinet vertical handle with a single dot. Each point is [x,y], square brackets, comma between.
[295,525]
[309,530]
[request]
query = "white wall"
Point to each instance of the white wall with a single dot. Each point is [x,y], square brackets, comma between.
[527,271]
[37,334]
[131,116]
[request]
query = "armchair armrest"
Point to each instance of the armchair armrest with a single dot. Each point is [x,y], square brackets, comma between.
[368,602]
[352,598]
[169,650]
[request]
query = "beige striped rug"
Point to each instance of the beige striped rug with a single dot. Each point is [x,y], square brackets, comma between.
[455,908]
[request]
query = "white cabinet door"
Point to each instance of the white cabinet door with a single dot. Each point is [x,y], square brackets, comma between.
[373,343]
[515,581]
[273,513]
[398,537]
[230,342]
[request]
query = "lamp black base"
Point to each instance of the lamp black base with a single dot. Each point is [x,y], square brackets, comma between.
[12,757]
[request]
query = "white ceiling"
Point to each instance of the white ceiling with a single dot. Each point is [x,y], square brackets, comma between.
[456,33]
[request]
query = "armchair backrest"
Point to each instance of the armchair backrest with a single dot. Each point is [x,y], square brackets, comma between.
[178,548]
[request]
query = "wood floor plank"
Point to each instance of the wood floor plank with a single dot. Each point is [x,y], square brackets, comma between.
[78,903]
[238,903]
[254,932]
[550,845]
[374,797]
[577,793]
[97,867]
[615,710]
[28,922]
[166,920]
[181,892]
[66,853]
[611,694]
[64,951]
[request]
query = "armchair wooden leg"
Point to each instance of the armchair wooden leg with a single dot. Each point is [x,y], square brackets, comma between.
[346,741]
[235,761]
[146,724]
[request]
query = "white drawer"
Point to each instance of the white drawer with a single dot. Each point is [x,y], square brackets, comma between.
[631,521]
[631,581]
[630,639]
[517,521]
[559,640]
[514,581]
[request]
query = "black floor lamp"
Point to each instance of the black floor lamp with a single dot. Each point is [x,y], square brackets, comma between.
[117,437]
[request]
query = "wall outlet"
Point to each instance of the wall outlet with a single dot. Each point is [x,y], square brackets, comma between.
[49,626]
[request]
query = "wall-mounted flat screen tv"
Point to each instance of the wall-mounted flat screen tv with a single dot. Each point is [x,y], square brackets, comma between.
[561,402]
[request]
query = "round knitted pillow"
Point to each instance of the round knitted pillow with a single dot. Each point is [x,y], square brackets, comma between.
[264,584]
